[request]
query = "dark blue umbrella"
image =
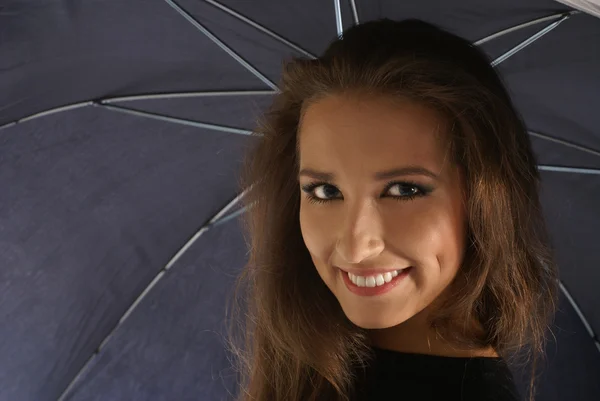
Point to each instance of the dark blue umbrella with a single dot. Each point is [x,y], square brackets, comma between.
[122,128]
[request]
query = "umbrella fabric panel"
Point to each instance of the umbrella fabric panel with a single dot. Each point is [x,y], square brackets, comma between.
[471,19]
[555,82]
[570,204]
[94,204]
[311,24]
[260,50]
[572,365]
[57,53]
[172,346]
[73,45]
[560,154]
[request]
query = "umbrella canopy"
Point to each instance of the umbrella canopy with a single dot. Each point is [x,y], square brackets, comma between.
[122,128]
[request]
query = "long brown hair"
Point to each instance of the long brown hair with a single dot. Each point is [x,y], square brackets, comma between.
[295,342]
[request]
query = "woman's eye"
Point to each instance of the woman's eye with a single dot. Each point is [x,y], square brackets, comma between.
[323,192]
[405,190]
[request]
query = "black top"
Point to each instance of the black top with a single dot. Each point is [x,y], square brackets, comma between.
[395,376]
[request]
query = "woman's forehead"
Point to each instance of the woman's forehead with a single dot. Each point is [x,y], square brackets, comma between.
[348,130]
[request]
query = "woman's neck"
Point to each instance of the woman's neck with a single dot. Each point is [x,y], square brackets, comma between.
[415,336]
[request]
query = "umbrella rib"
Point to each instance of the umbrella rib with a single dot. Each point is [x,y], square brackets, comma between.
[180,95]
[213,222]
[531,39]
[48,112]
[586,324]
[565,143]
[170,95]
[565,169]
[354,12]
[521,26]
[182,121]
[338,17]
[260,27]
[230,216]
[220,43]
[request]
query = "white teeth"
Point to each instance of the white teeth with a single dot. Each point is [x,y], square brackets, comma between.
[372,281]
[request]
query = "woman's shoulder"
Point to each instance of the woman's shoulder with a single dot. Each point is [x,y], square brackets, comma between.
[488,379]
[430,377]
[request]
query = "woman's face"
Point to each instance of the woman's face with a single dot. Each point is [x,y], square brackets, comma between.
[411,222]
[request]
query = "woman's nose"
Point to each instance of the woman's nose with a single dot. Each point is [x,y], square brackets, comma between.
[361,236]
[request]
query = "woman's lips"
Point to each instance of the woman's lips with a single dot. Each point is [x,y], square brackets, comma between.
[377,290]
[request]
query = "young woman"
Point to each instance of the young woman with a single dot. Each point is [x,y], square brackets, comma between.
[397,245]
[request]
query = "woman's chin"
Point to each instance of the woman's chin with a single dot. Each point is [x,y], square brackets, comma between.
[373,325]
[373,322]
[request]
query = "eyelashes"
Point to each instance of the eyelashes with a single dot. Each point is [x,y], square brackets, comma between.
[414,191]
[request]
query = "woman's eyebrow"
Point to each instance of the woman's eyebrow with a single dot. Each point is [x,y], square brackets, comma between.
[379,176]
